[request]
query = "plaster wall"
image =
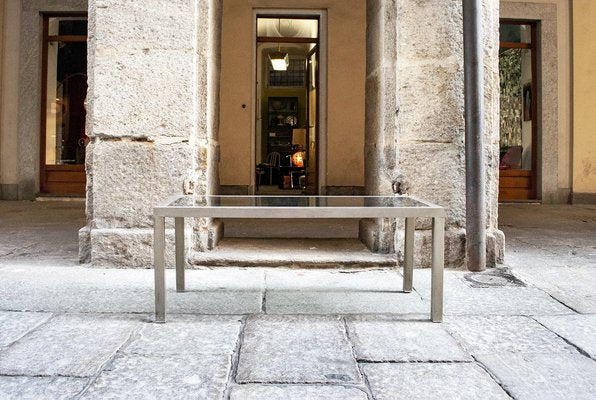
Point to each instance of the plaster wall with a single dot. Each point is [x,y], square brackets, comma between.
[9,98]
[345,93]
[584,88]
[554,81]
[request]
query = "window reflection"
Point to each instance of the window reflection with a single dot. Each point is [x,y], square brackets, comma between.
[66,89]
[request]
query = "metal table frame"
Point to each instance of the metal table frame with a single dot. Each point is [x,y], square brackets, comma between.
[427,210]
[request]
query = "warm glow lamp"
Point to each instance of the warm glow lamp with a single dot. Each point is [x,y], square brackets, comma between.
[298,159]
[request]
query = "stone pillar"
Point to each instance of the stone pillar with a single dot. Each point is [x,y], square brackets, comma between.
[381,151]
[415,124]
[150,120]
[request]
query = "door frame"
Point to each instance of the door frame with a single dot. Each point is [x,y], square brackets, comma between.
[524,174]
[71,174]
[321,15]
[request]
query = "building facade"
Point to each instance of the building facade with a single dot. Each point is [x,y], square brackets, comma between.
[176,104]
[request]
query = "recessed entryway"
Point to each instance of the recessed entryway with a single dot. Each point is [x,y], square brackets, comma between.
[287,98]
[518,111]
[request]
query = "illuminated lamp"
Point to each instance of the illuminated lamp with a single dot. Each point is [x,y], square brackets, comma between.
[279,60]
[298,159]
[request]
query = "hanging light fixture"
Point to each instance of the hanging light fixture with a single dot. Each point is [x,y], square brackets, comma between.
[279,60]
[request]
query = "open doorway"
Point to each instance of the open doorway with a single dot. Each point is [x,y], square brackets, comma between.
[64,89]
[518,111]
[287,105]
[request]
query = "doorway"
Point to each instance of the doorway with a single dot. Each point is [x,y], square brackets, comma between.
[63,114]
[518,111]
[287,104]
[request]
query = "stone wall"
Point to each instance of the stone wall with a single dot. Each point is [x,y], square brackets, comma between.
[151,120]
[414,118]
[153,94]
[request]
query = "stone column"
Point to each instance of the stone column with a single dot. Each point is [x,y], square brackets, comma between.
[149,119]
[415,124]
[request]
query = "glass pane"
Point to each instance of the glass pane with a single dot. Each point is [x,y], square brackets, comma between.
[67,26]
[517,110]
[294,75]
[65,112]
[291,28]
[296,201]
[515,33]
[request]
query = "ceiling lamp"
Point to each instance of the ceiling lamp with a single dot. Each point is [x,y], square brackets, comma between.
[279,61]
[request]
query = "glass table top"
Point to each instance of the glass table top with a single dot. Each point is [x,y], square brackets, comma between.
[297,201]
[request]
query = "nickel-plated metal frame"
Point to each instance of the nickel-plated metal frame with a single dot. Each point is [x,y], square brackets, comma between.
[409,213]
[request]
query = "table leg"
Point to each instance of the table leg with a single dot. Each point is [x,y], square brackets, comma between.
[409,254]
[179,239]
[159,241]
[438,259]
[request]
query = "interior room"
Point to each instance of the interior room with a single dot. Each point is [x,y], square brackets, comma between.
[517,112]
[286,106]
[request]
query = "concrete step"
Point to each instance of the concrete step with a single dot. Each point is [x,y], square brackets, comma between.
[298,253]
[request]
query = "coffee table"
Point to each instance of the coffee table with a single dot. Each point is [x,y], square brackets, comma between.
[306,207]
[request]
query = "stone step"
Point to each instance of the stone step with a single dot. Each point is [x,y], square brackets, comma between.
[298,253]
[291,228]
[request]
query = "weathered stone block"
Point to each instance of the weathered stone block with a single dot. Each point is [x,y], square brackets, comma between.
[505,334]
[141,24]
[14,325]
[544,376]
[70,345]
[577,329]
[429,30]
[196,336]
[296,392]
[433,381]
[27,387]
[436,172]
[130,178]
[143,93]
[127,248]
[134,376]
[431,103]
[300,350]
[454,248]
[377,339]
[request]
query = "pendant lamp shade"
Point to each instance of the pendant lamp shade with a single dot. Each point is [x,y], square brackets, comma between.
[279,60]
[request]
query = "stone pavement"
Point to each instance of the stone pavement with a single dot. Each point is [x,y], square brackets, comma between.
[524,331]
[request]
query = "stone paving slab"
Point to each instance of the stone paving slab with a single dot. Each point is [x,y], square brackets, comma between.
[505,334]
[36,388]
[462,299]
[187,335]
[14,325]
[72,345]
[296,349]
[571,284]
[346,302]
[376,339]
[429,381]
[544,376]
[78,289]
[296,392]
[135,376]
[334,280]
[577,329]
